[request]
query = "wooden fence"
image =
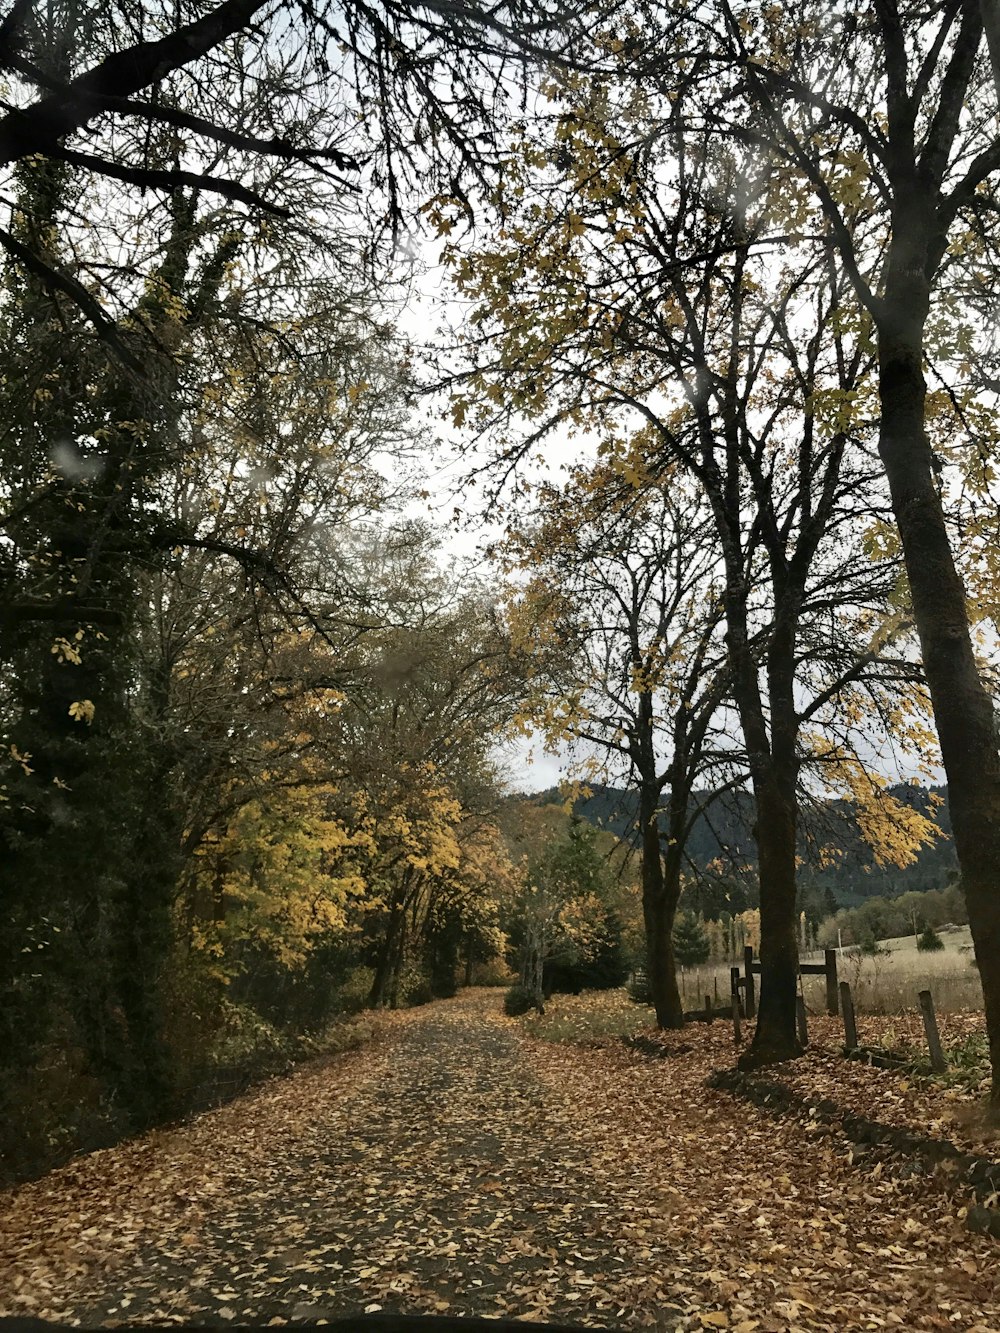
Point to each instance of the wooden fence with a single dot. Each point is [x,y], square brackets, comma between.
[744,986]
[743,1004]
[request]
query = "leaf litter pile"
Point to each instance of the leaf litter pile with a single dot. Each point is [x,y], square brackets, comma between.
[456,1165]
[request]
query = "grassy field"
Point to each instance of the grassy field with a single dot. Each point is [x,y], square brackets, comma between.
[885,984]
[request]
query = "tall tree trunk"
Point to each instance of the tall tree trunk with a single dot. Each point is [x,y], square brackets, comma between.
[385,954]
[659,907]
[963,709]
[143,935]
[773,776]
[139,950]
[396,968]
[775,1036]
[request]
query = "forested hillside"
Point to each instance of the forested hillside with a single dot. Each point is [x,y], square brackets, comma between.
[722,838]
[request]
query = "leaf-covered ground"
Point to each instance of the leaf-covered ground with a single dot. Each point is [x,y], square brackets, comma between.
[459,1165]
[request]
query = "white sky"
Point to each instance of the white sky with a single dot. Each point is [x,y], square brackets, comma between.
[527,765]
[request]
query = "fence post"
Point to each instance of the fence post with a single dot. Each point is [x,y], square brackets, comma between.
[737,1034]
[751,989]
[800,1021]
[709,1011]
[938,1063]
[831,982]
[734,985]
[847,1008]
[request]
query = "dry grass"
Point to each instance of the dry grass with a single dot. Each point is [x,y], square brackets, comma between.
[888,983]
[885,984]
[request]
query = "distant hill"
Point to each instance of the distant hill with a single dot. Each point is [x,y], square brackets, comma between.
[724,832]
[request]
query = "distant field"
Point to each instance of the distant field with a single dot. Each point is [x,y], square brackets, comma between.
[954,938]
[880,985]
[886,985]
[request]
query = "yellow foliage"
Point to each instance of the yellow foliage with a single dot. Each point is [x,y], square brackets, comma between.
[284,872]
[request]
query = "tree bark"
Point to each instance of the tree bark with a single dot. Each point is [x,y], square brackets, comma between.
[773,774]
[384,957]
[659,907]
[963,709]
[775,1037]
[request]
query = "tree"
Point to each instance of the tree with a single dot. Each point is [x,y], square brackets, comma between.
[428,688]
[142,546]
[637,291]
[81,445]
[890,126]
[620,620]
[930,941]
[690,941]
[578,863]
[147,103]
[559,918]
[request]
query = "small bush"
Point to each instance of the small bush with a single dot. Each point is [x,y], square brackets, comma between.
[495,972]
[872,948]
[249,1044]
[421,992]
[518,1000]
[415,986]
[930,941]
[352,993]
[346,1035]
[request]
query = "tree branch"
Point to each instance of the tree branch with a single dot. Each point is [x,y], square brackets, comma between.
[37,127]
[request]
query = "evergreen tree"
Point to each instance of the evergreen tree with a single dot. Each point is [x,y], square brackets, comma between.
[691,944]
[930,941]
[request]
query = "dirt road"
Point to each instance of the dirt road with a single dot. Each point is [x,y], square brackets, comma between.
[455,1166]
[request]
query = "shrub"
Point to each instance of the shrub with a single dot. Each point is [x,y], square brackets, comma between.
[345,1035]
[414,987]
[605,968]
[494,972]
[351,994]
[518,1000]
[930,941]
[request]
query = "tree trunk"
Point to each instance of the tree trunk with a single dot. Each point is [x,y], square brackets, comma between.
[141,946]
[775,1037]
[378,995]
[147,1090]
[963,709]
[773,774]
[659,907]
[396,967]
